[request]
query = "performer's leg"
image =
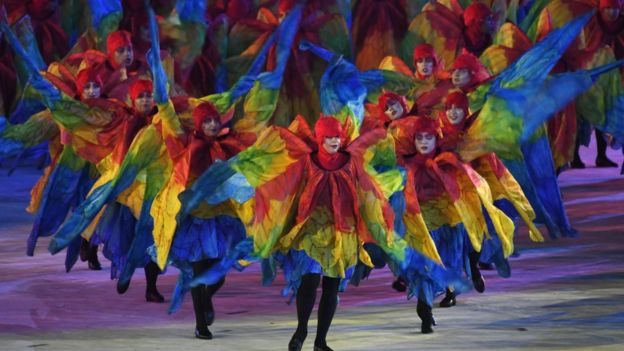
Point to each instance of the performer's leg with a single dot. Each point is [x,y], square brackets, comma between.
[151,276]
[94,262]
[327,308]
[576,161]
[426,316]
[449,299]
[477,278]
[202,300]
[306,296]
[601,145]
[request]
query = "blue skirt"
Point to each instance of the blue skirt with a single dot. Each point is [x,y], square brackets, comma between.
[198,239]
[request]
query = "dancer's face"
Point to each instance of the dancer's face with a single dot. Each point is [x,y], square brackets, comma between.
[331,144]
[455,114]
[144,103]
[424,66]
[211,127]
[91,90]
[461,77]
[124,56]
[425,142]
[394,109]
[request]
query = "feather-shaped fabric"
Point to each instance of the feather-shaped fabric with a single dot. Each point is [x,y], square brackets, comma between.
[436,25]
[504,186]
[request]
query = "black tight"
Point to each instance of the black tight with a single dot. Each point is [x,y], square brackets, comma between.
[306,297]
[151,276]
[202,296]
[601,146]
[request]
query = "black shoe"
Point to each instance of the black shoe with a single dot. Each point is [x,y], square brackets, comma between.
[448,300]
[84,250]
[322,348]
[477,281]
[154,296]
[577,164]
[122,288]
[204,334]
[399,285]
[94,264]
[426,316]
[604,162]
[295,344]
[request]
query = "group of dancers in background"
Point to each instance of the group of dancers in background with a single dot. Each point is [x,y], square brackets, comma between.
[321,138]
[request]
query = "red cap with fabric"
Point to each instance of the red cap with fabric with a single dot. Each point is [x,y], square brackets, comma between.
[613,4]
[203,112]
[457,99]
[470,62]
[424,50]
[85,76]
[115,41]
[390,96]
[328,127]
[425,125]
[476,13]
[140,86]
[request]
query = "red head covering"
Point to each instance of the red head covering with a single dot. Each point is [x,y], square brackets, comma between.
[115,41]
[140,86]
[476,13]
[616,4]
[390,96]
[85,76]
[327,127]
[457,99]
[425,125]
[405,130]
[478,72]
[203,112]
[423,51]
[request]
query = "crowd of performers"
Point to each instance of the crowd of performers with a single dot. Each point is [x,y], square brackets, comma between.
[320,138]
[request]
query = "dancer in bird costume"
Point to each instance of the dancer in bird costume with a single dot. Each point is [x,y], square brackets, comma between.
[329,206]
[602,107]
[451,29]
[431,82]
[506,192]
[143,182]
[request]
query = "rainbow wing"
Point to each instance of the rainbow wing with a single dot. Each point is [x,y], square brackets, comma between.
[511,116]
[504,186]
[603,104]
[436,25]
[509,44]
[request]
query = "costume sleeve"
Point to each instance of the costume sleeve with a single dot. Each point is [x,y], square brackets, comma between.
[15,138]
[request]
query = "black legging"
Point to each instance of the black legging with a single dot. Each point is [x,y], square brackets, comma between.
[151,276]
[601,146]
[306,297]
[202,295]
